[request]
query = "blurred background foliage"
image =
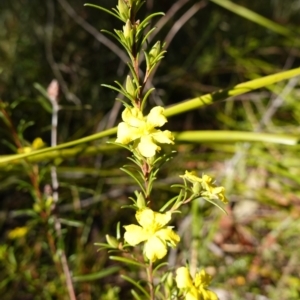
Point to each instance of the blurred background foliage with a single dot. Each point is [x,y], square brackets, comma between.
[254,250]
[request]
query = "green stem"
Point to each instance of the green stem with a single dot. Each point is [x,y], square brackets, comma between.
[196,227]
[150,280]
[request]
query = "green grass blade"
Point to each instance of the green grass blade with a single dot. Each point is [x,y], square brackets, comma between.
[65,154]
[235,136]
[254,17]
[239,89]
[77,142]
[180,108]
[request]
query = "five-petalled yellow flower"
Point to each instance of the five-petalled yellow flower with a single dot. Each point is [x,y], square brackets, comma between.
[197,289]
[153,231]
[142,130]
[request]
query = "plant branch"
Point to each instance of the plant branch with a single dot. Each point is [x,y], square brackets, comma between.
[93,31]
[52,91]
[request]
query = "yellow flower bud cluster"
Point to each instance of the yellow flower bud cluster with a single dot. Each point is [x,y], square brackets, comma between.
[38,143]
[205,187]
[17,233]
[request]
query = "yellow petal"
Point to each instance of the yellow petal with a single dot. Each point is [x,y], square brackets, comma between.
[183,278]
[192,294]
[207,178]
[156,117]
[126,133]
[25,150]
[146,146]
[220,192]
[133,117]
[202,279]
[37,143]
[205,277]
[169,235]
[155,248]
[147,218]
[135,234]
[162,219]
[123,135]
[191,177]
[208,295]
[18,232]
[163,137]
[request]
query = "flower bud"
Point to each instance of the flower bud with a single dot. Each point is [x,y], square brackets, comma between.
[129,86]
[112,241]
[127,29]
[141,203]
[37,208]
[124,10]
[170,280]
[49,202]
[196,188]
[38,143]
[154,52]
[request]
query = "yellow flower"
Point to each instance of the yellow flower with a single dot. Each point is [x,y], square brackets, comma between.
[212,191]
[197,289]
[153,232]
[18,232]
[142,130]
[191,177]
[206,186]
[36,144]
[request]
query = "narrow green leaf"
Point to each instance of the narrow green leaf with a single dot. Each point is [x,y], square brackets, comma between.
[6,281]
[126,261]
[136,284]
[135,295]
[134,177]
[147,35]
[159,266]
[133,73]
[168,204]
[103,246]
[147,59]
[71,222]
[142,24]
[146,97]
[116,89]
[23,213]
[104,9]
[96,276]
[118,231]
[44,101]
[213,203]
[136,162]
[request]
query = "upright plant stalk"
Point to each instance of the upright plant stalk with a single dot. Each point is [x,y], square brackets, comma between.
[139,133]
[52,91]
